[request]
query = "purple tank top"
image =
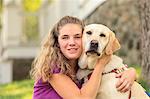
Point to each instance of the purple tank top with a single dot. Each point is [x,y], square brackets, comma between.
[43,90]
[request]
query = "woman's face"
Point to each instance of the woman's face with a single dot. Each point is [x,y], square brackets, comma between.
[70,41]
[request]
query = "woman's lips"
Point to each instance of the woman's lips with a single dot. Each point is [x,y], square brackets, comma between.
[72,50]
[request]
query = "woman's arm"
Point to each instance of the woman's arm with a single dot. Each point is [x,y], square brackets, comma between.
[67,89]
[126,80]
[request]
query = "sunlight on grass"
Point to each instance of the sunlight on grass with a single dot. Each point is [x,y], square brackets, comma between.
[17,90]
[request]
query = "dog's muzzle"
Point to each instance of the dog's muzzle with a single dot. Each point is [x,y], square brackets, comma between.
[93,48]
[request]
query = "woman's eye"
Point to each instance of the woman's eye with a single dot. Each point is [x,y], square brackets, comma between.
[78,37]
[65,37]
[102,35]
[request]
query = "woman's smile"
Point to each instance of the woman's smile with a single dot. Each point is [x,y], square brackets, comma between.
[72,50]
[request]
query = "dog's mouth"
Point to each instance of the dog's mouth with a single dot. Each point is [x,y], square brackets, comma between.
[92,52]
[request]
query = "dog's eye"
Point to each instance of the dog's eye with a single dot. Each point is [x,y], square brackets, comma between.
[102,35]
[89,32]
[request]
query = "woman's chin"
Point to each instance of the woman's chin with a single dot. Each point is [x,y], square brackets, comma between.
[73,57]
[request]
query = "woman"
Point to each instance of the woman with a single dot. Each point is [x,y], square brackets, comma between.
[54,69]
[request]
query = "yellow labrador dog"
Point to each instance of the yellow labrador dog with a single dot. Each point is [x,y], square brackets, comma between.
[97,41]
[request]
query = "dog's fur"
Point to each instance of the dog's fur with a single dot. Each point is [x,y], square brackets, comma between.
[99,40]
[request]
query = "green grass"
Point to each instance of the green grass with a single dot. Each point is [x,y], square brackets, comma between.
[17,90]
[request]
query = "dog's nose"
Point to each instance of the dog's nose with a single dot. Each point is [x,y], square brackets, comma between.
[94,44]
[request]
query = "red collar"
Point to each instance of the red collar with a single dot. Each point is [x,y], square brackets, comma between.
[112,71]
[116,70]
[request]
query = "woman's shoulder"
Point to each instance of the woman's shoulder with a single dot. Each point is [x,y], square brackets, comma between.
[40,83]
[43,90]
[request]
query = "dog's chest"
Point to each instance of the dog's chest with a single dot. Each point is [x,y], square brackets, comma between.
[108,89]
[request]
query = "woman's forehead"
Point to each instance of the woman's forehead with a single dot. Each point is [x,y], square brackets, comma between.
[70,29]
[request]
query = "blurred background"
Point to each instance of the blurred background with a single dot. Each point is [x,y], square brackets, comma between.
[24,23]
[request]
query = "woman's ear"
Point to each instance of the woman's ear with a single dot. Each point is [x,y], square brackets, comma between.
[113,44]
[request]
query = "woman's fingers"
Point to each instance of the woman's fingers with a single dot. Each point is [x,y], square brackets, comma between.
[126,80]
[126,88]
[120,79]
[122,83]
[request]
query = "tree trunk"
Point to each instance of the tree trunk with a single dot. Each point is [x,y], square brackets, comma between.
[144,12]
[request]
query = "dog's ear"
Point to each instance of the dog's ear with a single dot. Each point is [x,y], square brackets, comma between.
[113,44]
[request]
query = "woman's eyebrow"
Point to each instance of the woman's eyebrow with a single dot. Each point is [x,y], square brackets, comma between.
[64,35]
[78,34]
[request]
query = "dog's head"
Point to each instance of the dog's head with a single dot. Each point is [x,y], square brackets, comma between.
[99,39]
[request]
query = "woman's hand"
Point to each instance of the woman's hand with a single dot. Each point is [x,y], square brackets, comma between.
[126,80]
[103,60]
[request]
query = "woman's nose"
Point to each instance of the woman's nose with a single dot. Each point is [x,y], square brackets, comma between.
[72,42]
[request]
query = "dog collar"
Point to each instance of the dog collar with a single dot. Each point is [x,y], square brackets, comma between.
[116,70]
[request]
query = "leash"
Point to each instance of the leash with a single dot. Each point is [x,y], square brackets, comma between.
[129,95]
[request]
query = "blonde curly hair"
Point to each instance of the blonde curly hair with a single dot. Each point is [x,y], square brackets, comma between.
[50,55]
